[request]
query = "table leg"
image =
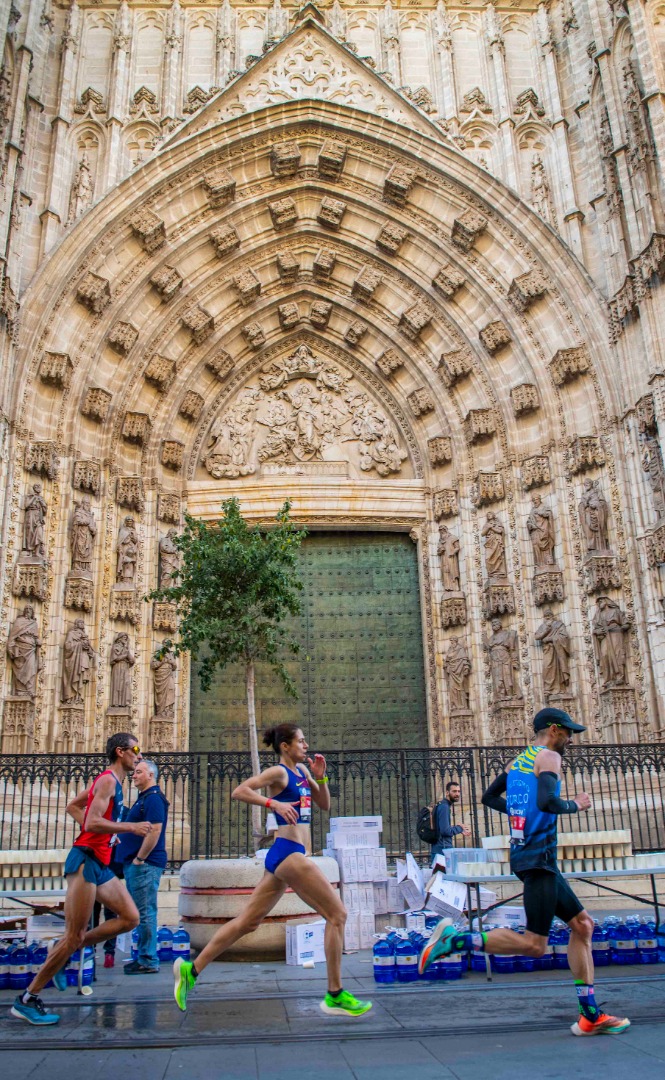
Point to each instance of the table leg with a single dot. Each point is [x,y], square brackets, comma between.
[488,965]
[656,906]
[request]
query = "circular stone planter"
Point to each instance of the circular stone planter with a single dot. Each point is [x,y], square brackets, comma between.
[214,891]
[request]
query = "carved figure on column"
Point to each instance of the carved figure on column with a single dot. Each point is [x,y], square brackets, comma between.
[540,524]
[457,668]
[24,647]
[494,542]
[503,649]
[610,626]
[82,533]
[169,559]
[82,190]
[448,549]
[652,463]
[122,661]
[77,663]
[553,636]
[541,196]
[163,674]
[127,553]
[594,516]
[34,545]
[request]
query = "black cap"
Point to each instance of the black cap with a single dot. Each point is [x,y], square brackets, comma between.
[548,716]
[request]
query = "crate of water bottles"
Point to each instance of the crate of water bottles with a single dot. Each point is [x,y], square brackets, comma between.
[171,944]
[396,952]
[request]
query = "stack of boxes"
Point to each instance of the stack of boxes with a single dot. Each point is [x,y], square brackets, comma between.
[355,844]
[580,851]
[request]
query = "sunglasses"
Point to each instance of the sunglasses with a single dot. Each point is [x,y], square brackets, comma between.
[134,749]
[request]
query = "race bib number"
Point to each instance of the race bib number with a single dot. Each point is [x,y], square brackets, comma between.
[306,807]
[517,823]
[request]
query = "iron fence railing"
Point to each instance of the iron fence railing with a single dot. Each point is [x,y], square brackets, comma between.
[626,784]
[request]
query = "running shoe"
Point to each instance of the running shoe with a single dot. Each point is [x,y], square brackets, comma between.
[60,978]
[184,981]
[34,1012]
[439,944]
[345,1004]
[604,1025]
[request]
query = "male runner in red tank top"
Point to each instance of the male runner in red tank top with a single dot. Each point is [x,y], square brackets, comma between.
[97,811]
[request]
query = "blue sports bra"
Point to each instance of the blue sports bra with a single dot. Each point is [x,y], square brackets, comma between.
[296,790]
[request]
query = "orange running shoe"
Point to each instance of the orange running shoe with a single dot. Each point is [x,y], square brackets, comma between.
[604,1025]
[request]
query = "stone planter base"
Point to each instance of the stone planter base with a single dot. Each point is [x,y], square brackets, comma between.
[214,891]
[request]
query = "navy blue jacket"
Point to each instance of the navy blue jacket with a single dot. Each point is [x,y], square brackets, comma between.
[151,805]
[444,830]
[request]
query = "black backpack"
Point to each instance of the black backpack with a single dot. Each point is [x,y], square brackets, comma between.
[425,826]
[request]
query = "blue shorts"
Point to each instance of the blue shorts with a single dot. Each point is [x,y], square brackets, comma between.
[93,871]
[280,850]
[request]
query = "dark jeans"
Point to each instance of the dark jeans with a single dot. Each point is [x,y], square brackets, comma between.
[143,884]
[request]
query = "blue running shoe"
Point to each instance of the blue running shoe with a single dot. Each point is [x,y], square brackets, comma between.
[34,1012]
[439,944]
[60,978]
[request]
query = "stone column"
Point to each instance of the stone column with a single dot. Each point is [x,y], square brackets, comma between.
[506,124]
[118,91]
[171,105]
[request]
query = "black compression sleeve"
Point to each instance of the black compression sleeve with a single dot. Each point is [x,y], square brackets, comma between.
[493,797]
[548,801]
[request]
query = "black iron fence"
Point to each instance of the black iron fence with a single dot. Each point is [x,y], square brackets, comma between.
[626,784]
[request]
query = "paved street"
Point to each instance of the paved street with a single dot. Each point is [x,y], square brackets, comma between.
[263,1021]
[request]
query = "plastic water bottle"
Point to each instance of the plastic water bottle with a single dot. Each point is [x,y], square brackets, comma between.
[660,937]
[600,946]
[406,961]
[135,944]
[647,944]
[72,969]
[384,960]
[39,953]
[164,944]
[181,944]
[624,944]
[19,971]
[452,966]
[4,966]
[561,947]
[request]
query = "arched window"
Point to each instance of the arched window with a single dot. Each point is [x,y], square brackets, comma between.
[96,48]
[415,56]
[148,55]
[200,56]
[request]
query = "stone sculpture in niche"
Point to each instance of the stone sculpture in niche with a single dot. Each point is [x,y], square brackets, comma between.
[448,550]
[552,635]
[122,661]
[82,533]
[77,663]
[494,542]
[652,463]
[127,554]
[540,524]
[163,674]
[610,626]
[304,411]
[169,559]
[594,516]
[24,649]
[503,650]
[457,668]
[34,545]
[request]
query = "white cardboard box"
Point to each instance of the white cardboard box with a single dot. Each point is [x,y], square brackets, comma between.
[339,824]
[352,933]
[350,894]
[410,878]
[380,897]
[446,897]
[395,898]
[366,896]
[366,929]
[372,864]
[360,838]
[304,941]
[347,860]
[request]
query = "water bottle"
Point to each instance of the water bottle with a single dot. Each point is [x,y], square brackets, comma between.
[72,969]
[4,966]
[478,961]
[19,972]
[561,947]
[135,944]
[647,943]
[624,945]
[39,953]
[181,944]
[406,961]
[660,938]
[164,944]
[600,946]
[452,966]
[384,960]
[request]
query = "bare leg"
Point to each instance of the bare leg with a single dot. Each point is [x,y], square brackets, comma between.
[580,958]
[263,899]
[114,895]
[310,885]
[507,943]
[79,903]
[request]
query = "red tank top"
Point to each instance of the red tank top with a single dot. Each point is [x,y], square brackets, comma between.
[102,843]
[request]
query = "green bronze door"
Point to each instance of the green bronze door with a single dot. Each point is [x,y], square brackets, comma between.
[360,672]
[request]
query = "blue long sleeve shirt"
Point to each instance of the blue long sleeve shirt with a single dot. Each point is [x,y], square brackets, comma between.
[445,831]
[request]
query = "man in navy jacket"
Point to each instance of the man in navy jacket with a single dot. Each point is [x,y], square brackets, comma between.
[143,860]
[441,820]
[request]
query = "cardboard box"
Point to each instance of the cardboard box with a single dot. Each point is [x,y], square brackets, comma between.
[415,920]
[395,898]
[410,878]
[352,933]
[380,897]
[347,860]
[350,894]
[366,894]
[446,897]
[372,865]
[366,929]
[304,941]
[356,824]
[44,928]
[368,838]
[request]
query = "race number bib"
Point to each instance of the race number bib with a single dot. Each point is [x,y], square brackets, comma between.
[517,823]
[306,807]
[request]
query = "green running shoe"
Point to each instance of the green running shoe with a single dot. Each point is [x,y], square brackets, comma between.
[344,1005]
[184,981]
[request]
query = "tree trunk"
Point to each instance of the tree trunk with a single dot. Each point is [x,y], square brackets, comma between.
[257,828]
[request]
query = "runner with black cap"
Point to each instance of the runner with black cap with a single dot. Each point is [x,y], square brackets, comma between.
[528,791]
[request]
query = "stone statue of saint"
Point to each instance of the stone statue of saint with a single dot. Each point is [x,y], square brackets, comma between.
[610,626]
[77,664]
[594,515]
[24,651]
[540,524]
[457,667]
[127,552]
[494,542]
[122,661]
[652,463]
[82,533]
[503,650]
[169,559]
[448,549]
[34,545]
[553,636]
[163,674]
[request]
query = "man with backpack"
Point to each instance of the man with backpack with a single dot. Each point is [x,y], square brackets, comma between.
[434,822]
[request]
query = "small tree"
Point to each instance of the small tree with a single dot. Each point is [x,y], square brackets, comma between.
[235,586]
